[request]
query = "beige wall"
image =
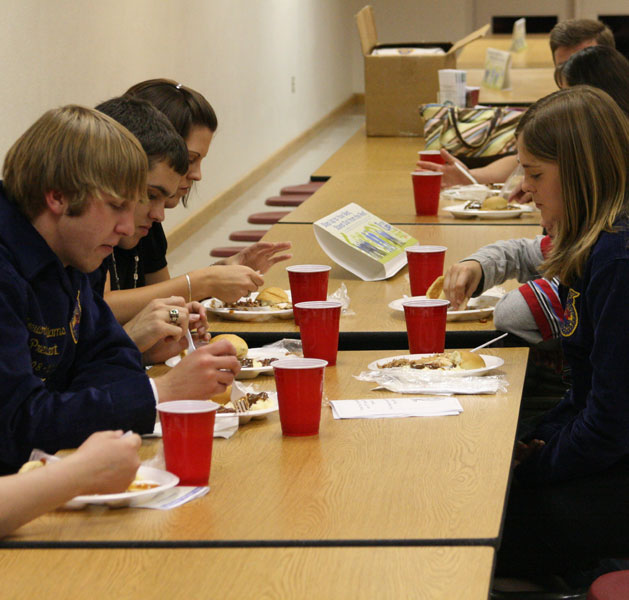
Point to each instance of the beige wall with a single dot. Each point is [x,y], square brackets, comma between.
[241,54]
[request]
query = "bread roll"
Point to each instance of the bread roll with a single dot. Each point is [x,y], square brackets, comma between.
[435,291]
[224,397]
[30,465]
[468,360]
[271,296]
[494,203]
[236,341]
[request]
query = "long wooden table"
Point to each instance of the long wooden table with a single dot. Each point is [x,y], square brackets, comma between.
[389,195]
[527,86]
[536,55]
[360,482]
[286,573]
[367,153]
[368,298]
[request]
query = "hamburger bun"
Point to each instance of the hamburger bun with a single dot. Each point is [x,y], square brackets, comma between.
[494,203]
[223,397]
[30,465]
[236,341]
[435,291]
[468,360]
[271,296]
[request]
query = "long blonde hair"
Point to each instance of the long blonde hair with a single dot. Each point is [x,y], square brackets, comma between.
[585,133]
[78,151]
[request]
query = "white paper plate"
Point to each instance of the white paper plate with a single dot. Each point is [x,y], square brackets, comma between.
[216,307]
[477,308]
[460,212]
[465,193]
[245,372]
[165,480]
[256,414]
[491,362]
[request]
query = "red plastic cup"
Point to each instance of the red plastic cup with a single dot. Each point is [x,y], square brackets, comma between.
[471,96]
[425,264]
[432,156]
[308,282]
[426,190]
[188,433]
[299,383]
[426,325]
[319,329]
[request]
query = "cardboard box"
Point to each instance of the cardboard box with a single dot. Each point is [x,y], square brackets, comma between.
[395,86]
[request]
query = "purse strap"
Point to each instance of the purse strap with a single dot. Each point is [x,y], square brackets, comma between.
[490,129]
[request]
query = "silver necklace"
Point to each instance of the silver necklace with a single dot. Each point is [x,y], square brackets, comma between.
[136,260]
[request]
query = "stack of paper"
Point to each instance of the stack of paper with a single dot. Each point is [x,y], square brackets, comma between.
[379,408]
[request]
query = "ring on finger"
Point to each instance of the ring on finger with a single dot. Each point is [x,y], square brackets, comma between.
[174,316]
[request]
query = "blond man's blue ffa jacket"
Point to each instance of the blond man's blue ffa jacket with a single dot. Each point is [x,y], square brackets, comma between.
[67,368]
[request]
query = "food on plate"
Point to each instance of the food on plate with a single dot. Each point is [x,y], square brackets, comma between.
[435,292]
[253,402]
[223,397]
[236,341]
[137,485]
[453,360]
[32,464]
[490,203]
[272,296]
[256,363]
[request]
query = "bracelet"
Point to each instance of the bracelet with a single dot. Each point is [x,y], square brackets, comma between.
[189,288]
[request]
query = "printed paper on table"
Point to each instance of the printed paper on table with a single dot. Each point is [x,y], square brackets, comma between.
[519,35]
[363,243]
[497,68]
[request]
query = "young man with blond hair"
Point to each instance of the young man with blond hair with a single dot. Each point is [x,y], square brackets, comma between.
[71,183]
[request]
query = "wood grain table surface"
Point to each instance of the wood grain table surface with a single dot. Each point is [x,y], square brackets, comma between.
[242,573]
[527,86]
[368,153]
[369,300]
[411,481]
[388,195]
[536,54]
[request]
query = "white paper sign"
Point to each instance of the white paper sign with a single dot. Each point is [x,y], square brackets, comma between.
[452,84]
[519,35]
[497,68]
[362,243]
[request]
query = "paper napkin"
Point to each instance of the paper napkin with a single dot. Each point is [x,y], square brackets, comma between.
[379,408]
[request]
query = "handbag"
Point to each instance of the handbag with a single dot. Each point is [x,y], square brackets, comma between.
[473,132]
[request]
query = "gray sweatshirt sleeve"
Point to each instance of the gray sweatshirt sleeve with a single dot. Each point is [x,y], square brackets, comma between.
[509,259]
[513,314]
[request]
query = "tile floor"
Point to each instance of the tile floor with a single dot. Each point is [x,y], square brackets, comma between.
[194,252]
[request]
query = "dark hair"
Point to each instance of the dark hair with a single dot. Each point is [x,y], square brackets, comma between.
[153,130]
[573,32]
[601,67]
[183,106]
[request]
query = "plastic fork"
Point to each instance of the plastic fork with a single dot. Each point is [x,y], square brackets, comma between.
[241,405]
